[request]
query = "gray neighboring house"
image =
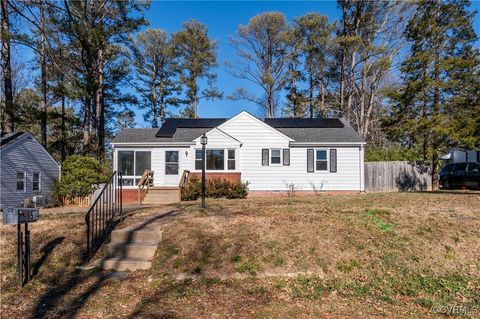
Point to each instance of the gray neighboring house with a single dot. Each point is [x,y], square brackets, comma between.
[28,171]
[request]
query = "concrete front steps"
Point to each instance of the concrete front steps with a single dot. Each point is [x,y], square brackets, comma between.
[130,249]
[162,195]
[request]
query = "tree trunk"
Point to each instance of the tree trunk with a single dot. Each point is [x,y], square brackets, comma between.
[310,89]
[362,120]
[154,105]
[321,112]
[100,107]
[8,111]
[63,153]
[87,127]
[43,68]
[162,110]
[350,86]
[343,63]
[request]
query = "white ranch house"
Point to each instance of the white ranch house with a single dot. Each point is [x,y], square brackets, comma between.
[322,154]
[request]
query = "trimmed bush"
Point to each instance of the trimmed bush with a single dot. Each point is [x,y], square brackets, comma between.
[215,188]
[390,154]
[80,177]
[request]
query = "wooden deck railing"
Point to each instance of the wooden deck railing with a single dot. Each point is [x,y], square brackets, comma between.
[183,181]
[145,181]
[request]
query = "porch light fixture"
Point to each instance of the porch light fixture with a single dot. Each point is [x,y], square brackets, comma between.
[203,141]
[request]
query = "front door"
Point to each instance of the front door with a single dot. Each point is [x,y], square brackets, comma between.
[172,167]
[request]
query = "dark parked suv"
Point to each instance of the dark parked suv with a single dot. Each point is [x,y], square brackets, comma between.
[460,175]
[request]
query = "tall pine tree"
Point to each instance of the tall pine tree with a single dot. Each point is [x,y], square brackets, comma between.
[430,112]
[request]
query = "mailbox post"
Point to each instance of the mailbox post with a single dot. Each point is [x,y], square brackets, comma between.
[19,216]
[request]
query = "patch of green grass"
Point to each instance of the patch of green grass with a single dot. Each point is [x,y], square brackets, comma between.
[347,267]
[377,212]
[382,225]
[309,287]
[178,262]
[247,267]
[424,289]
[236,259]
[449,253]
[210,281]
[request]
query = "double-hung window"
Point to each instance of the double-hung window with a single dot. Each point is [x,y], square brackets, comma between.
[36,182]
[321,163]
[275,156]
[231,160]
[21,181]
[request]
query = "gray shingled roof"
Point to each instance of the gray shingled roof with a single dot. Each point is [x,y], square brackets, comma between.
[315,135]
[345,134]
[147,135]
[6,138]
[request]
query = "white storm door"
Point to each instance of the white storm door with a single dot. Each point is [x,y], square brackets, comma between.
[172,167]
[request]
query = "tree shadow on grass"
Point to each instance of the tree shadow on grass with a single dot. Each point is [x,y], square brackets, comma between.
[46,250]
[151,305]
[80,276]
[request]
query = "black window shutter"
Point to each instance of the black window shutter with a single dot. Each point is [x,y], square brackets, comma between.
[310,160]
[286,157]
[264,156]
[333,160]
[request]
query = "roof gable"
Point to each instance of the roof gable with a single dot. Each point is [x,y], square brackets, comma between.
[23,136]
[218,137]
[257,120]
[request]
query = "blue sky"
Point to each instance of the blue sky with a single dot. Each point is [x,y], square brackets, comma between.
[222,19]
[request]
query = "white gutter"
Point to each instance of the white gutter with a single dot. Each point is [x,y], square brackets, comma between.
[157,144]
[316,144]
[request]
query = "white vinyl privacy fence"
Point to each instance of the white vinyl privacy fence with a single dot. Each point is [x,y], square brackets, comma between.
[396,176]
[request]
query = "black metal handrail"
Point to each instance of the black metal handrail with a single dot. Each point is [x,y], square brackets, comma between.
[105,212]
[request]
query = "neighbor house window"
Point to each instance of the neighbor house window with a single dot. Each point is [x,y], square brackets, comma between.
[21,181]
[132,165]
[36,182]
[321,160]
[231,160]
[275,157]
[171,162]
[215,160]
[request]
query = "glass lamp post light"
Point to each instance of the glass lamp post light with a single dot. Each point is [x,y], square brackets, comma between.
[203,141]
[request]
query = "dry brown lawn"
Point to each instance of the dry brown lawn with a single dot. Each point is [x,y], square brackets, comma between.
[401,255]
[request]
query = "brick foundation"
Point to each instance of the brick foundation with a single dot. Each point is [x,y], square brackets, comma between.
[130,196]
[233,177]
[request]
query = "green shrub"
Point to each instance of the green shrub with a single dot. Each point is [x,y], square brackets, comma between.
[215,188]
[390,154]
[80,177]
[192,190]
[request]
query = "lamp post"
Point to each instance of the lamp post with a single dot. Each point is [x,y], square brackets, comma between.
[203,141]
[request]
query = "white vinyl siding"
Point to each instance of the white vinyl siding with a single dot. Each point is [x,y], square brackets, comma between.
[247,129]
